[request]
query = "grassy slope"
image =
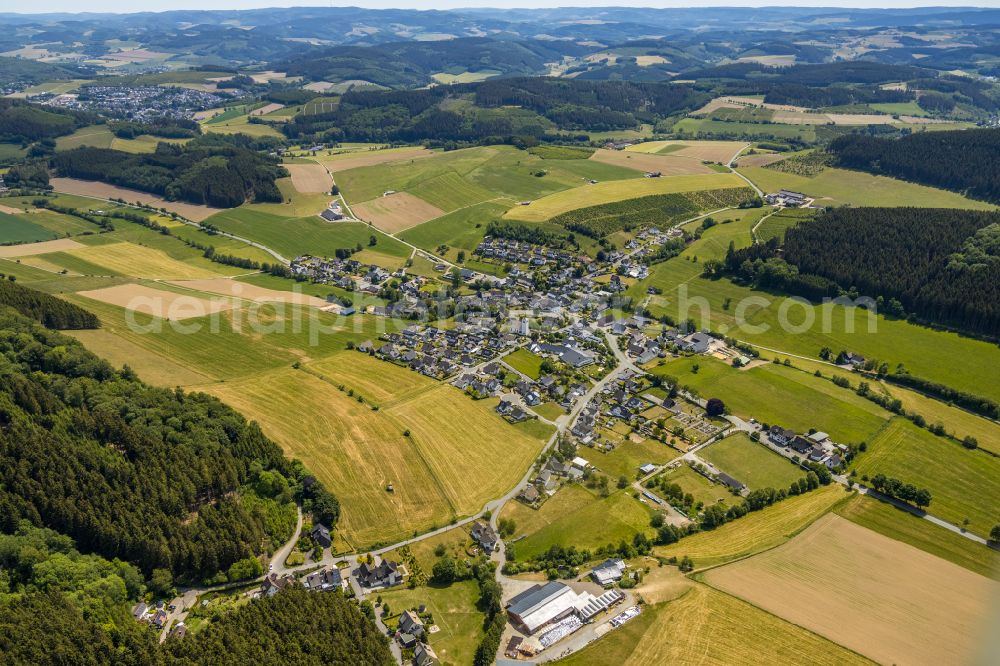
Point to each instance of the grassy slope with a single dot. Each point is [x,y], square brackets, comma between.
[455,613]
[757,531]
[963,483]
[776,394]
[14,229]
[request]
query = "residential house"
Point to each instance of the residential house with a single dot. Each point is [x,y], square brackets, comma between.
[779,435]
[424,655]
[485,536]
[275,583]
[410,623]
[384,574]
[321,535]
[325,580]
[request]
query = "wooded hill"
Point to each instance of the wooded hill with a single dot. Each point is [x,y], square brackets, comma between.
[215,170]
[150,476]
[46,309]
[494,109]
[963,160]
[411,64]
[939,265]
[21,121]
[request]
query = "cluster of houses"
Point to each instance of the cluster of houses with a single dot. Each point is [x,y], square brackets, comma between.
[521,252]
[816,447]
[155,615]
[140,103]
[547,479]
[410,632]
[441,353]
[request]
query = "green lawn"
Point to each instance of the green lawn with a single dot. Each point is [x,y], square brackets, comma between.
[963,483]
[923,534]
[455,613]
[549,410]
[776,225]
[705,127]
[306,235]
[774,394]
[525,362]
[576,516]
[626,458]
[752,463]
[462,229]
[693,483]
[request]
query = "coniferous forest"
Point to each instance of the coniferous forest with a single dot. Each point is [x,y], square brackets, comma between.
[48,310]
[942,265]
[963,160]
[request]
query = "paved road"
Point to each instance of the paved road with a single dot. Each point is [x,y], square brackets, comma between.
[277,564]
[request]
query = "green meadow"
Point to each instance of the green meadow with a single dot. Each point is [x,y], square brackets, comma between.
[751,463]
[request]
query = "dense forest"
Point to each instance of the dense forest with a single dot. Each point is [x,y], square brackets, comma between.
[211,169]
[410,64]
[176,483]
[46,309]
[960,160]
[940,265]
[21,121]
[494,110]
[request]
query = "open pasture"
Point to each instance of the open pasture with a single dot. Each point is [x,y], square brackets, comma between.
[877,596]
[396,212]
[310,178]
[710,628]
[751,463]
[577,516]
[157,302]
[774,394]
[462,229]
[95,136]
[757,531]
[455,613]
[98,190]
[838,187]
[151,367]
[964,484]
[612,191]
[378,381]
[956,421]
[668,165]
[21,230]
[715,151]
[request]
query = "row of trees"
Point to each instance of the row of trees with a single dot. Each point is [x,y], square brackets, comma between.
[51,312]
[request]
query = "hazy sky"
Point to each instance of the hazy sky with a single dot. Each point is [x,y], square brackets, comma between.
[38,6]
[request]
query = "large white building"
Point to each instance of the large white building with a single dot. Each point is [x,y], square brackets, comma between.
[542,605]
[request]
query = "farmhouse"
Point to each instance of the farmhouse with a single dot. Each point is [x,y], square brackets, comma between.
[608,572]
[786,198]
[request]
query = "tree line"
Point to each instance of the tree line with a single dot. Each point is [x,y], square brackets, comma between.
[51,312]
[953,160]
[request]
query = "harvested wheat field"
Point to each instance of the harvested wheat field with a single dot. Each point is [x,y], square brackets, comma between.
[397,212]
[10,211]
[715,151]
[372,157]
[43,247]
[139,261]
[737,102]
[760,160]
[668,165]
[157,302]
[98,190]
[266,109]
[878,596]
[310,178]
[250,292]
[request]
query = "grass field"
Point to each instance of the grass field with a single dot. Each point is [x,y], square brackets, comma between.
[710,628]
[700,488]
[397,212]
[757,531]
[608,192]
[752,463]
[838,187]
[95,136]
[963,483]
[734,228]
[461,229]
[306,235]
[16,229]
[139,261]
[60,224]
[775,394]
[776,225]
[525,362]
[880,597]
[903,526]
[576,516]
[707,127]
[143,144]
[464,77]
[460,178]
[957,422]
[150,367]
[626,458]
[455,613]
